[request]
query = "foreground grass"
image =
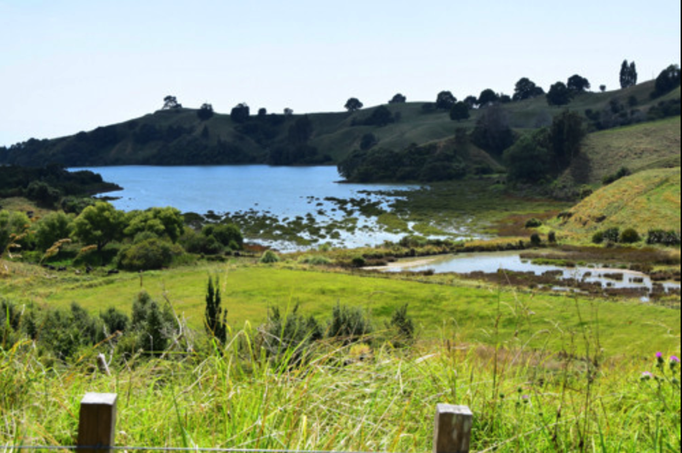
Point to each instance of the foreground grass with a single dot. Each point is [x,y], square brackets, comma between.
[523,400]
[541,372]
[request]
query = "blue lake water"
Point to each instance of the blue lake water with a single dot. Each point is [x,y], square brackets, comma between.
[283,192]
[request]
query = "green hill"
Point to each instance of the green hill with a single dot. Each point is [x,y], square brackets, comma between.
[644,201]
[179,137]
[639,147]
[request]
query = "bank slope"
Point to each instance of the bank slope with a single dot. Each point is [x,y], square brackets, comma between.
[644,201]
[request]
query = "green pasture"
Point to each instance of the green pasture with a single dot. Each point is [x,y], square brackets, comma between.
[539,319]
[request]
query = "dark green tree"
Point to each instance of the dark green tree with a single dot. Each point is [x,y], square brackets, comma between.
[215,318]
[240,113]
[578,84]
[471,101]
[171,103]
[205,112]
[459,111]
[527,161]
[368,141]
[445,100]
[526,89]
[667,80]
[492,132]
[488,97]
[628,74]
[559,94]
[398,99]
[353,105]
[42,193]
[565,138]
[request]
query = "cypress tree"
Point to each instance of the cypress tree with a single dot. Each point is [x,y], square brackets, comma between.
[215,316]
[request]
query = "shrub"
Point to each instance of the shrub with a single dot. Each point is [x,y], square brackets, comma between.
[612,235]
[348,324]
[598,237]
[291,335]
[194,242]
[359,261]
[403,323]
[269,257]
[669,238]
[535,239]
[622,173]
[630,236]
[9,324]
[551,237]
[315,260]
[229,235]
[115,321]
[153,326]
[65,332]
[148,254]
[585,192]
[533,223]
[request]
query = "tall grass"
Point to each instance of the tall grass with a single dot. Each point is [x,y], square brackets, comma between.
[357,397]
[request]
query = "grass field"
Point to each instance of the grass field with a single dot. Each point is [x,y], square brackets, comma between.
[540,320]
[542,373]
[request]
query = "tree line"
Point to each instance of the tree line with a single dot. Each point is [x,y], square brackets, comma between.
[101,235]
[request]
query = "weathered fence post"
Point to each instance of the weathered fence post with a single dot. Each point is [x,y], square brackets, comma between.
[452,433]
[97,423]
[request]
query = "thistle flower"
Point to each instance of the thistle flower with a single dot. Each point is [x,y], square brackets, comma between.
[660,359]
[674,362]
[646,376]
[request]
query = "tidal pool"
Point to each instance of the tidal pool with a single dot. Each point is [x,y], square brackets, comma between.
[489,263]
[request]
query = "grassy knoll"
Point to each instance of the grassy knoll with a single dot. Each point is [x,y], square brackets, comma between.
[539,319]
[644,201]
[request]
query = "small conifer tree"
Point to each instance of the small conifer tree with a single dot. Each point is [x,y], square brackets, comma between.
[215,316]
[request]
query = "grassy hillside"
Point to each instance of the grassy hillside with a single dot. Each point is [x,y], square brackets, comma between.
[647,200]
[174,137]
[639,147]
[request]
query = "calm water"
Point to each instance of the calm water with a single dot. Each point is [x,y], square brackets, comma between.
[283,192]
[492,262]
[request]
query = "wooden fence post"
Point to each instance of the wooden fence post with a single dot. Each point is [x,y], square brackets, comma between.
[97,422]
[452,433]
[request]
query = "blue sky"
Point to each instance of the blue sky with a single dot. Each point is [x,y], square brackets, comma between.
[72,65]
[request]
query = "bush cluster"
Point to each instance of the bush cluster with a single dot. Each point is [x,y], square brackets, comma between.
[533,223]
[137,240]
[669,238]
[621,173]
[615,236]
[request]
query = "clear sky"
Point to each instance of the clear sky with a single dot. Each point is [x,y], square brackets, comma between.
[72,65]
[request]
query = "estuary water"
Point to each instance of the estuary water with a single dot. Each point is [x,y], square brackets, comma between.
[282,192]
